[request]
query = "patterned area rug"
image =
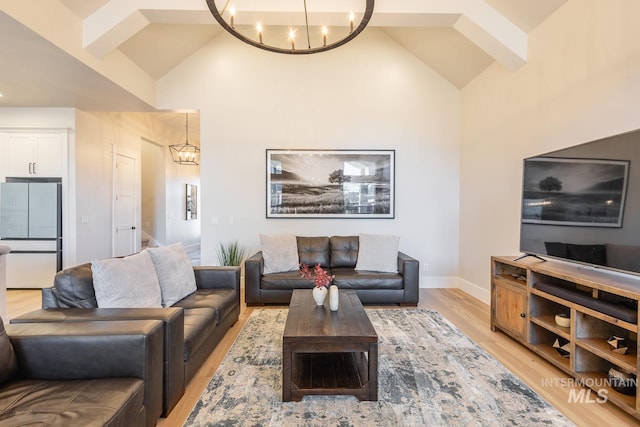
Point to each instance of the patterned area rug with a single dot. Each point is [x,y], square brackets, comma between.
[430,374]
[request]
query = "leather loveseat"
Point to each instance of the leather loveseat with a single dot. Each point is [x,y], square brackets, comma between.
[85,374]
[338,255]
[193,326]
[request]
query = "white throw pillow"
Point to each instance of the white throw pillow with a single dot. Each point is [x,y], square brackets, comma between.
[378,252]
[126,282]
[280,253]
[175,273]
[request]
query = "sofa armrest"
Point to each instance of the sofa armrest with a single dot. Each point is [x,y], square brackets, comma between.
[49,299]
[253,270]
[409,268]
[217,277]
[173,337]
[88,350]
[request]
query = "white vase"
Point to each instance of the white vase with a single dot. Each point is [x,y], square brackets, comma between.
[334,298]
[319,294]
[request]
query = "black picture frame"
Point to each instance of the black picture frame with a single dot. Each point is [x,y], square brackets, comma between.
[192,202]
[579,192]
[330,183]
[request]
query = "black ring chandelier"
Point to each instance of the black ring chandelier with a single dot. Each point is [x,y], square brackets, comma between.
[266,30]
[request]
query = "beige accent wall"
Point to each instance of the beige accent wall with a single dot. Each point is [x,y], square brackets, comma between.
[581,83]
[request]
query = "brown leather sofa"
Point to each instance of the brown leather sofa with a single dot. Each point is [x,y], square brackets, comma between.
[84,374]
[338,255]
[193,326]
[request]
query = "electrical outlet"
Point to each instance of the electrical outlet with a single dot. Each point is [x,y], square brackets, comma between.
[425,267]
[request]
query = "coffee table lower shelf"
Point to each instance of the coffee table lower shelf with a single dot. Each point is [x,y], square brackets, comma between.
[330,374]
[328,352]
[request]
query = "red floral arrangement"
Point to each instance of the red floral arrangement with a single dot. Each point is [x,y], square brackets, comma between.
[318,275]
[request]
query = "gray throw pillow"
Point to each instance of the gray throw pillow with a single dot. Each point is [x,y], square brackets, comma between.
[378,252]
[127,282]
[175,273]
[280,253]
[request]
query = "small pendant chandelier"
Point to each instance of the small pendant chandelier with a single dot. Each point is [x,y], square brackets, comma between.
[185,154]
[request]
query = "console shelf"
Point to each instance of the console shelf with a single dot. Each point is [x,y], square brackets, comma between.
[527,294]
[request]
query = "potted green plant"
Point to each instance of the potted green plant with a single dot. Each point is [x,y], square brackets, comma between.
[231,253]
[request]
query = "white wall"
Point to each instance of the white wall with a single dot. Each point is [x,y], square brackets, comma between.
[164,195]
[368,94]
[178,229]
[37,118]
[97,132]
[581,82]
[153,192]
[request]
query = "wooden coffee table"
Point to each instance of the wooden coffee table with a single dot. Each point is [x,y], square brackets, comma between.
[326,352]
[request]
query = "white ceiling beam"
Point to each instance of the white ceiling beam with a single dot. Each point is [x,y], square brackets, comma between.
[494,34]
[118,20]
[113,36]
[474,19]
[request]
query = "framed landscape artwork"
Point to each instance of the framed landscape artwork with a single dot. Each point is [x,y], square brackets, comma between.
[581,192]
[330,183]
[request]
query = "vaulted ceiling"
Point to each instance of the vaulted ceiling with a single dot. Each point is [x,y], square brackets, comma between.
[75,64]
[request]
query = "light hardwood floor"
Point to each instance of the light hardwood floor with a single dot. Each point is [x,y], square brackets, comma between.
[467,313]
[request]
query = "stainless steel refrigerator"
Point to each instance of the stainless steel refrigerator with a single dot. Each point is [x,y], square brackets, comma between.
[31,224]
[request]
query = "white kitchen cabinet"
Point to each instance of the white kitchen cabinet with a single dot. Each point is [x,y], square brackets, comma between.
[30,271]
[31,263]
[33,154]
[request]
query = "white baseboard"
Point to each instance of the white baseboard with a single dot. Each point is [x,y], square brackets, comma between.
[438,282]
[430,282]
[475,291]
[151,241]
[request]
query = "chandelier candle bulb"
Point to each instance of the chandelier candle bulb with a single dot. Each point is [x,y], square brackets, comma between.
[283,15]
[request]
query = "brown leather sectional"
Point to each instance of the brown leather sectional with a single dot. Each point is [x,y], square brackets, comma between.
[192,327]
[81,374]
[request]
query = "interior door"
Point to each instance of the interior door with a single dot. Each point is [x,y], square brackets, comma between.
[124,211]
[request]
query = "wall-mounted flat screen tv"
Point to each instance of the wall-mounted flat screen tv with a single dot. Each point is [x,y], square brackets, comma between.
[582,204]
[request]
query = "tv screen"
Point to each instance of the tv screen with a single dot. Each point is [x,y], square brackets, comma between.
[582,204]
